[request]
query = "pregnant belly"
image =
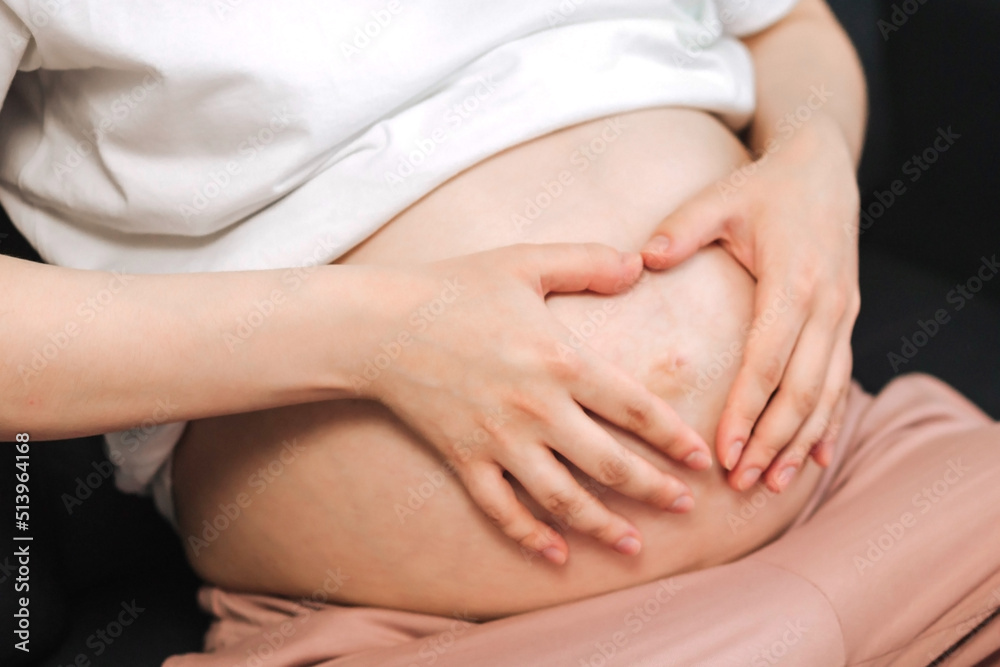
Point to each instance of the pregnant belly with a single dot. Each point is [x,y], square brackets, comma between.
[341,500]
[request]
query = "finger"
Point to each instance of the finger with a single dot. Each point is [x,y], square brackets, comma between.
[771,337]
[817,427]
[577,267]
[693,225]
[596,452]
[802,387]
[559,493]
[495,497]
[822,453]
[611,393]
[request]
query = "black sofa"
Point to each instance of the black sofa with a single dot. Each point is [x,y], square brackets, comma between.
[96,550]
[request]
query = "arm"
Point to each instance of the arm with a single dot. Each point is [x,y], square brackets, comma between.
[85,352]
[434,342]
[789,218]
[803,54]
[89,352]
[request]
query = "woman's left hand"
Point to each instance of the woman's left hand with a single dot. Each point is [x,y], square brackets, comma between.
[790,217]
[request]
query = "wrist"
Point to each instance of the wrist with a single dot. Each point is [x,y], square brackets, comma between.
[334,329]
[359,328]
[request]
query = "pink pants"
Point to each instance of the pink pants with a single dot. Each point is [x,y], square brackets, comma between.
[894,561]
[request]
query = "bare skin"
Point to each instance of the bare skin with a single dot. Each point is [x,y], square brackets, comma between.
[345,484]
[791,227]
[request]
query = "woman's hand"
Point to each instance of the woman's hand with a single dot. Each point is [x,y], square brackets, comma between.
[790,218]
[471,359]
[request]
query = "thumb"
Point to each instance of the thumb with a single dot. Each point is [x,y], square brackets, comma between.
[694,224]
[576,267]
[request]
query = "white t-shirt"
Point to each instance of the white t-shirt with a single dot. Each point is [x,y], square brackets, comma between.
[211,135]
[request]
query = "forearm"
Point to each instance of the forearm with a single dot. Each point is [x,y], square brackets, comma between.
[808,75]
[89,352]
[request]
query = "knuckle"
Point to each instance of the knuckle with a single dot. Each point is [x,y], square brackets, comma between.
[805,399]
[501,517]
[529,542]
[614,471]
[606,531]
[525,403]
[545,532]
[837,304]
[566,368]
[766,448]
[769,371]
[662,495]
[854,304]
[638,415]
[460,453]
[843,304]
[565,504]
[538,536]
[807,275]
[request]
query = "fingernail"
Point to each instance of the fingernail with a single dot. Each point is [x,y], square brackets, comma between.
[658,245]
[733,456]
[748,478]
[785,477]
[553,555]
[683,503]
[628,545]
[698,460]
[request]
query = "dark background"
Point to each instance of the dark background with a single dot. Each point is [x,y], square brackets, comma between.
[940,69]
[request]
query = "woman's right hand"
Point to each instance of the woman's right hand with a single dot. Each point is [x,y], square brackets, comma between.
[471,358]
